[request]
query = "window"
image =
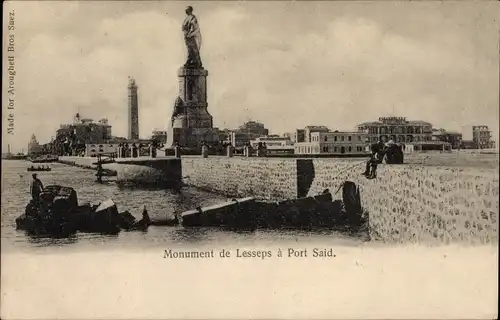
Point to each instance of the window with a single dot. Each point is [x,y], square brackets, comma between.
[325,149]
[326,138]
[359,138]
[342,138]
[335,138]
[335,149]
[349,138]
[349,149]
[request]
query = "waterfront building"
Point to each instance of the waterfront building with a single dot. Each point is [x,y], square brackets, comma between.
[33,146]
[481,135]
[477,137]
[133,110]
[49,147]
[297,136]
[309,130]
[254,127]
[454,138]
[81,132]
[274,144]
[335,143]
[113,145]
[247,132]
[240,139]
[85,130]
[92,150]
[291,136]
[424,146]
[397,129]
[160,135]
[304,135]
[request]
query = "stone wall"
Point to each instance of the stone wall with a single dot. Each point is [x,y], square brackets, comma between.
[415,203]
[147,171]
[238,177]
[406,203]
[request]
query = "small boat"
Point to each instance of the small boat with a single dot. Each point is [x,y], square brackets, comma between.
[39,169]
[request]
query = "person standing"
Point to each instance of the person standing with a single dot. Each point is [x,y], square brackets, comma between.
[36,187]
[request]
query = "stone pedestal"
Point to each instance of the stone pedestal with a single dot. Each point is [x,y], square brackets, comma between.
[204,151]
[248,151]
[229,151]
[191,124]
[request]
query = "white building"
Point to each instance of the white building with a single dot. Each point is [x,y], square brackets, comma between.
[274,144]
[272,141]
[333,143]
[95,149]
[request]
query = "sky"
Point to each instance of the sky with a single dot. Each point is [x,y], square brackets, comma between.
[286,64]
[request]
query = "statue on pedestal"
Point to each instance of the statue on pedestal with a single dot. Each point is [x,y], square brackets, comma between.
[192,37]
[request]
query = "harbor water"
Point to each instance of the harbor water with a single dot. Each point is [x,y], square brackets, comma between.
[159,203]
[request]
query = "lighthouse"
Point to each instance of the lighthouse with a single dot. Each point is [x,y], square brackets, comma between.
[133,110]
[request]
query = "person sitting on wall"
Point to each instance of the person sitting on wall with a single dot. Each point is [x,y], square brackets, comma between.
[377,154]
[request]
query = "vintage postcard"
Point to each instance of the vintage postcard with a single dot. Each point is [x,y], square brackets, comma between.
[250,160]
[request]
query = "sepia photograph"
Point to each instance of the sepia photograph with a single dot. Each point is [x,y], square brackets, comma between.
[250,159]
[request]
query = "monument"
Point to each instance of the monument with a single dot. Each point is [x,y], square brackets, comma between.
[191,125]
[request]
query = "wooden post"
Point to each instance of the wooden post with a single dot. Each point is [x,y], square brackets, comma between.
[204,151]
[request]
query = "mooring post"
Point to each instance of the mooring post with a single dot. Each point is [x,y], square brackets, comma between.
[204,151]
[177,151]
[229,151]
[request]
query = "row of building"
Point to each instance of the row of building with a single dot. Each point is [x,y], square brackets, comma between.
[92,137]
[415,135]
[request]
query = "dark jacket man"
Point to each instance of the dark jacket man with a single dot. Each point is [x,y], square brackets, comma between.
[36,187]
[377,152]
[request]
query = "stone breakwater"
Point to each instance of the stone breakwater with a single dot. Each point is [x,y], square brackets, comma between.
[242,177]
[80,162]
[406,203]
[137,171]
[412,203]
